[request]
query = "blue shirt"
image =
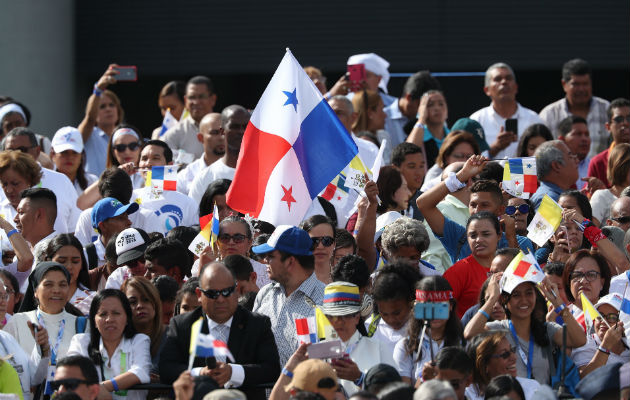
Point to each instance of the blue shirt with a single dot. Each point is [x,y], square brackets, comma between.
[454,238]
[96,151]
[545,188]
[395,123]
[429,136]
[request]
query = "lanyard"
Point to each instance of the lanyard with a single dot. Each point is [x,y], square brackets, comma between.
[123,369]
[352,346]
[53,349]
[527,360]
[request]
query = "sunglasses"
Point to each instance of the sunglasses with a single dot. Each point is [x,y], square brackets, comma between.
[326,241]
[236,238]
[622,220]
[70,383]
[122,147]
[589,275]
[22,149]
[621,118]
[506,354]
[214,294]
[523,209]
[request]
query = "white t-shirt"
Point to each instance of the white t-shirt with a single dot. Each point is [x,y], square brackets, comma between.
[583,355]
[170,208]
[386,334]
[216,170]
[143,219]
[90,178]
[406,364]
[601,202]
[188,174]
[492,123]
[529,386]
[116,279]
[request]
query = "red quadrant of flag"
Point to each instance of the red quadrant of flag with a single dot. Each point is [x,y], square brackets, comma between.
[531,183]
[522,268]
[260,153]
[301,325]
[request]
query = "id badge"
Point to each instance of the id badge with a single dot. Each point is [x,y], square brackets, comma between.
[50,376]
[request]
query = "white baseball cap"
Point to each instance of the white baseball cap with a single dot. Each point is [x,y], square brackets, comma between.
[130,245]
[67,138]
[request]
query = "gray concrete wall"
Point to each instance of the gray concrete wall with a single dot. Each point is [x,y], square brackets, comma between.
[37,44]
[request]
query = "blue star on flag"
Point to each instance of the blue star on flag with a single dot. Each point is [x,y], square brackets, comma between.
[291,98]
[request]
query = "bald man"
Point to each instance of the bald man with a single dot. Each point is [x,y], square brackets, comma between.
[248,336]
[213,140]
[234,120]
[620,213]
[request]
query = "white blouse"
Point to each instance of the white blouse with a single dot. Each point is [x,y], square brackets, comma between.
[18,328]
[31,369]
[132,355]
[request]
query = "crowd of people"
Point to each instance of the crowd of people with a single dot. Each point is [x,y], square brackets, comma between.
[101,290]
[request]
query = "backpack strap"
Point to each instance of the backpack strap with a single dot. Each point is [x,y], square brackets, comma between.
[92,258]
[79,324]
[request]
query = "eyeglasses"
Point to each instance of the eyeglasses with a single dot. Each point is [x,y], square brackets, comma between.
[590,275]
[236,238]
[506,354]
[523,209]
[621,118]
[23,149]
[612,318]
[4,296]
[70,383]
[122,147]
[214,294]
[326,241]
[622,220]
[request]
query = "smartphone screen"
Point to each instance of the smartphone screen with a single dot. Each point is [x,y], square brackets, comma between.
[126,73]
[511,125]
[356,75]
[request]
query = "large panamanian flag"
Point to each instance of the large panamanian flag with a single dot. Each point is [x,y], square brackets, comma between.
[293,147]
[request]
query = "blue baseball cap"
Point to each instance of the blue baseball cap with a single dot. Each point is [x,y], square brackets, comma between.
[289,239]
[108,208]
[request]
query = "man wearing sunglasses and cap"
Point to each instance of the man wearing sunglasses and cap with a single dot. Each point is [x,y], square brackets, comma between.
[247,335]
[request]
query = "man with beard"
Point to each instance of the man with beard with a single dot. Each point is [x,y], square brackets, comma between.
[234,120]
[213,140]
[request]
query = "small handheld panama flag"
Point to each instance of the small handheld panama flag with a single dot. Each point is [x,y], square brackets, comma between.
[523,268]
[545,222]
[162,178]
[519,177]
[168,122]
[209,225]
[294,146]
[624,309]
[306,330]
[205,345]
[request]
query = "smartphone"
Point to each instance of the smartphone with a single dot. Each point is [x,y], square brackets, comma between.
[323,350]
[430,310]
[126,73]
[511,125]
[356,75]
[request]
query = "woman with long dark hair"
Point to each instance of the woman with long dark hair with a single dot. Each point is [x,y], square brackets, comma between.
[532,336]
[413,354]
[122,356]
[322,231]
[67,250]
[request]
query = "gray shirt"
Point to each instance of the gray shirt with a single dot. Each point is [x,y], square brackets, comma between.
[540,367]
[283,311]
[183,136]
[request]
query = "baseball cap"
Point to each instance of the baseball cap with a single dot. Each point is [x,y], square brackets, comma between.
[313,375]
[109,207]
[289,239]
[473,127]
[130,245]
[67,138]
[612,299]
[381,374]
[383,220]
[341,298]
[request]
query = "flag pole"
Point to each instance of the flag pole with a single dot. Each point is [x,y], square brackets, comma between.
[191,358]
